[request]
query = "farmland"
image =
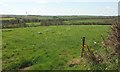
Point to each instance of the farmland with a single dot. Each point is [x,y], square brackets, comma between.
[55,43]
[49,47]
[34,21]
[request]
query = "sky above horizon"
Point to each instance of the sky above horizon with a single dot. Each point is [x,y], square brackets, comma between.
[59,7]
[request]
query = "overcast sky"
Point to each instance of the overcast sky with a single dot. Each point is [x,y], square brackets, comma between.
[59,7]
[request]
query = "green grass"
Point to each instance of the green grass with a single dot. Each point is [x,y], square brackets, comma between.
[7,18]
[49,47]
[33,23]
[86,21]
[90,20]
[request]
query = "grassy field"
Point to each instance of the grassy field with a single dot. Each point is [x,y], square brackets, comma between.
[89,20]
[50,47]
[33,23]
[80,22]
[7,18]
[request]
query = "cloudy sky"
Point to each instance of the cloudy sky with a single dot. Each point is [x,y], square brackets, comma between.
[59,7]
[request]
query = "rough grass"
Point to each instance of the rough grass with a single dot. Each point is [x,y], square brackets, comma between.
[50,47]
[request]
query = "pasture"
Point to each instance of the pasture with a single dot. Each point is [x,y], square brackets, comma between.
[51,47]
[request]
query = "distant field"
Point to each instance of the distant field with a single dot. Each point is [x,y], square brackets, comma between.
[18,21]
[86,21]
[89,20]
[7,18]
[50,47]
[33,23]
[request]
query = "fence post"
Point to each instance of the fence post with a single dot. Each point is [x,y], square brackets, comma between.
[83,46]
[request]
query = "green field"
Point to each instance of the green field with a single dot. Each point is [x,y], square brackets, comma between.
[86,21]
[7,18]
[50,47]
[33,24]
[89,20]
[20,21]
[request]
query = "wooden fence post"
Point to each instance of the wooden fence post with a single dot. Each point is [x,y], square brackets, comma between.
[83,46]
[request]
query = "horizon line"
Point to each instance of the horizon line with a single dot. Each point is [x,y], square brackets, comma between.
[60,15]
